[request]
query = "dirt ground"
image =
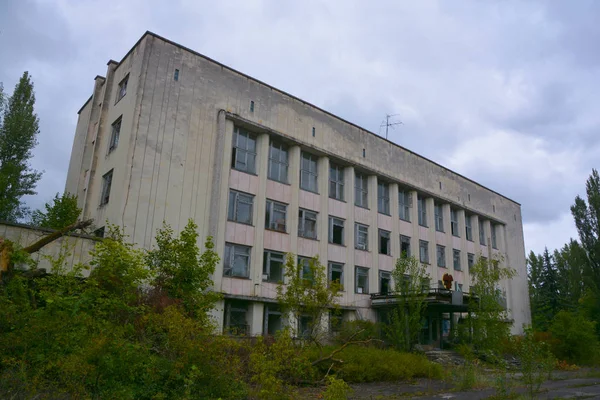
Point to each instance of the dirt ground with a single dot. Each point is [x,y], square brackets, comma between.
[581,384]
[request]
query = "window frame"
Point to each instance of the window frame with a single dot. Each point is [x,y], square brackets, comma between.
[337,181]
[236,306]
[302,217]
[313,175]
[424,246]
[438,213]
[454,225]
[470,260]
[305,267]
[268,255]
[422,211]
[456,261]
[122,88]
[270,221]
[383,197]
[468,228]
[388,276]
[237,150]
[361,192]
[357,234]
[404,205]
[440,255]
[331,266]
[236,202]
[482,233]
[283,164]
[382,233]
[229,258]
[405,239]
[106,187]
[361,272]
[493,236]
[115,133]
[332,222]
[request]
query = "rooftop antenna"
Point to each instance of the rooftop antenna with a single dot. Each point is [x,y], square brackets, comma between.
[389,124]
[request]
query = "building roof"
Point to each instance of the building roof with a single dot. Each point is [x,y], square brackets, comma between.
[149,33]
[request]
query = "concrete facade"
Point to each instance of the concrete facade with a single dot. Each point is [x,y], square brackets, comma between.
[173,162]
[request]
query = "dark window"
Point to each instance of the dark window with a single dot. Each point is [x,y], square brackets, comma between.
[384,242]
[383,198]
[176,75]
[441,256]
[470,260]
[278,162]
[99,232]
[361,190]
[251,106]
[385,280]
[361,236]
[456,259]
[275,217]
[468,228]
[273,265]
[439,217]
[454,222]
[308,172]
[114,134]
[362,280]
[424,251]
[307,224]
[404,205]
[336,230]
[122,91]
[422,208]
[405,246]
[314,131]
[493,234]
[235,321]
[304,326]
[243,157]
[305,269]
[336,273]
[240,207]
[273,320]
[481,232]
[336,182]
[236,261]
[106,184]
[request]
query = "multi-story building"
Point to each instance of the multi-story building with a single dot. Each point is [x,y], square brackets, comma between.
[170,134]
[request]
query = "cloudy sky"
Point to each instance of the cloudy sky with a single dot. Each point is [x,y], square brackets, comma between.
[504,92]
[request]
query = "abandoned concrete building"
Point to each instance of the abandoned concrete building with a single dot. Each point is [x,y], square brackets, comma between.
[170,134]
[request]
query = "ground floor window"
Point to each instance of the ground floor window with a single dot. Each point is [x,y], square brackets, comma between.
[236,318]
[273,321]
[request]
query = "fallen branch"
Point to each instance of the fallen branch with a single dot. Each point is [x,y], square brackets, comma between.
[37,246]
[348,343]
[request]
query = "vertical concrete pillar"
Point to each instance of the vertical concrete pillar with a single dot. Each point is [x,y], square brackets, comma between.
[448,242]
[373,235]
[258,218]
[462,231]
[257,311]
[488,237]
[475,226]
[294,179]
[349,236]
[323,223]
[414,219]
[395,235]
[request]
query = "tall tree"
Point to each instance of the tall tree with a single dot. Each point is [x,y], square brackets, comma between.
[61,212]
[18,136]
[569,262]
[549,291]
[535,279]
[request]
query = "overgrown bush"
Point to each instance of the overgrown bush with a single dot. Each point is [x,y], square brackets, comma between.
[575,339]
[337,389]
[537,362]
[357,330]
[371,364]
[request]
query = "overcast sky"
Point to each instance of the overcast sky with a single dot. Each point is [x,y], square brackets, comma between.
[504,92]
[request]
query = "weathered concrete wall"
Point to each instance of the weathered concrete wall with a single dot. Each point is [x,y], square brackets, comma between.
[174,157]
[74,248]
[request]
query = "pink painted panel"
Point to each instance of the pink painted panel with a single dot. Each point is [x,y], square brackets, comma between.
[336,253]
[309,200]
[268,289]
[239,233]
[307,247]
[456,242]
[386,263]
[362,215]
[470,247]
[483,250]
[279,191]
[243,182]
[277,241]
[338,208]
[440,237]
[238,286]
[423,233]
[384,222]
[406,228]
[363,258]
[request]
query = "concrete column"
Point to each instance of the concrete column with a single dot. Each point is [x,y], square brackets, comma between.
[292,214]
[349,231]
[257,311]
[475,227]
[414,220]
[448,242]
[323,224]
[488,237]
[395,235]
[462,231]
[373,235]
[259,210]
[429,206]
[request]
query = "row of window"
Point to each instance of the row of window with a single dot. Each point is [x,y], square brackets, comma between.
[244,159]
[441,256]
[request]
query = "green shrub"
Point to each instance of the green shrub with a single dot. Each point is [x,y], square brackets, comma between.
[337,389]
[371,364]
[576,339]
[537,362]
[358,330]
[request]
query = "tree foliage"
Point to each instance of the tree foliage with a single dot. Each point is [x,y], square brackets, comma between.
[60,212]
[19,128]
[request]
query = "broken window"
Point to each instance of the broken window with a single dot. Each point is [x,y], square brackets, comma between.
[114,134]
[106,185]
[404,204]
[441,256]
[336,182]
[422,209]
[456,259]
[275,217]
[384,242]
[383,197]
[454,222]
[362,280]
[236,261]
[273,266]
[361,190]
[273,321]
[336,230]
[405,246]
[236,318]
[307,224]
[308,172]
[240,207]
[361,236]
[305,270]
[278,162]
[385,282]
[336,273]
[243,156]
[122,88]
[424,251]
[470,260]
[304,326]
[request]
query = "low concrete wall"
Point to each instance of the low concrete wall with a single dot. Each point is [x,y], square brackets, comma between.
[75,247]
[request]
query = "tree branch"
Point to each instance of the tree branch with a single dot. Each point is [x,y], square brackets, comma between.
[37,246]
